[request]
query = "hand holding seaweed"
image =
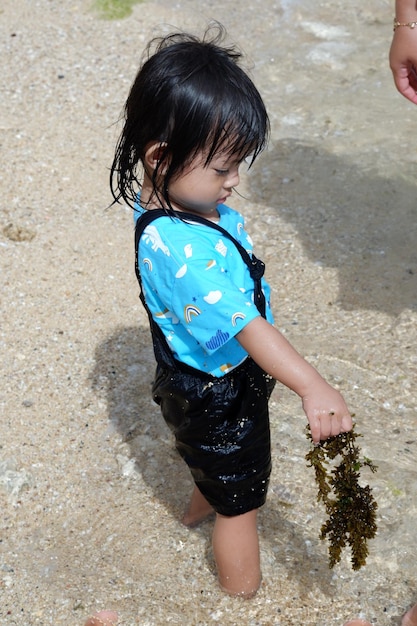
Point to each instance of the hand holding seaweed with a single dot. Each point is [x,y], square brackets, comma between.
[351,508]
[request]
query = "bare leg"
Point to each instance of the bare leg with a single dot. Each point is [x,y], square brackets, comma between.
[236,551]
[198,509]
[102,618]
[410,618]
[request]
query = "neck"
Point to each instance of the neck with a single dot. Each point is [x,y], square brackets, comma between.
[149,200]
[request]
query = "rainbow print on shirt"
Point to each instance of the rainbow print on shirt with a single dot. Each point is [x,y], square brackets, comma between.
[190,311]
[237,316]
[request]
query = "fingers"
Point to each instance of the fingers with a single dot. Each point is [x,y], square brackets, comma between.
[406,90]
[406,82]
[322,427]
[412,77]
[315,430]
[327,412]
[347,423]
[329,424]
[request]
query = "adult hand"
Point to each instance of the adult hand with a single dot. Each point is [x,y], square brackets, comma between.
[403,61]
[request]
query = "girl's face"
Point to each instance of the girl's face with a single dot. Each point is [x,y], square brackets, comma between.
[200,187]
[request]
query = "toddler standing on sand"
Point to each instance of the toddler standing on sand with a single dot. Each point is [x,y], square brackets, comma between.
[192,117]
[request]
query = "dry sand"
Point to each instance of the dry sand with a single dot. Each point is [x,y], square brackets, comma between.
[91,488]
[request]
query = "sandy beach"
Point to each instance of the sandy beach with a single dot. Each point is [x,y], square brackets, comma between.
[91,487]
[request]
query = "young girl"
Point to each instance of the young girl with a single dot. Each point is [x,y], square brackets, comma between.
[191,118]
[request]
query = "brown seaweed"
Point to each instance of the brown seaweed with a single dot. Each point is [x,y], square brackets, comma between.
[350,507]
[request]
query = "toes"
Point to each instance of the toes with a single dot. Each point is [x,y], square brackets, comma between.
[102,618]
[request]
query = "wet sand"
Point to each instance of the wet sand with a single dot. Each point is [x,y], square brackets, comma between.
[91,488]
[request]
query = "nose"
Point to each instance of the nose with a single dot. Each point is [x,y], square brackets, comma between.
[233,178]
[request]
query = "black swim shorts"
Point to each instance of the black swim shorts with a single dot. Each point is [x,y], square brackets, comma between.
[221,428]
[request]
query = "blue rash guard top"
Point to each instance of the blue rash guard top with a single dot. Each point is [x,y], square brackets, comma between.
[198,289]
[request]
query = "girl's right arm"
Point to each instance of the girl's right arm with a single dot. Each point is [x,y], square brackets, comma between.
[324,406]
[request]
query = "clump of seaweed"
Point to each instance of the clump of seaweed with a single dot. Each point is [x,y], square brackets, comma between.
[351,508]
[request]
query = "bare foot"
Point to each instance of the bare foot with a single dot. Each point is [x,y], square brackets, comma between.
[357,622]
[410,618]
[103,618]
[194,518]
[244,595]
[199,509]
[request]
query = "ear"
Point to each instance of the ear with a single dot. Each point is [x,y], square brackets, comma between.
[154,153]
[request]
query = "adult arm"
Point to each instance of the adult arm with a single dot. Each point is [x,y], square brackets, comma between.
[403,52]
[324,406]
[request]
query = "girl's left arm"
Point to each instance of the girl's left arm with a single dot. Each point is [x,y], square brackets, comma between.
[324,406]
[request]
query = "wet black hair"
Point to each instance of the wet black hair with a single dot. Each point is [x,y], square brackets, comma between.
[192,96]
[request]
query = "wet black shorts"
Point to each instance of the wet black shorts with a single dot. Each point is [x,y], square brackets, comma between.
[221,428]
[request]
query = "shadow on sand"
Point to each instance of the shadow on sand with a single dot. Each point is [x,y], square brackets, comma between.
[357,221]
[124,367]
